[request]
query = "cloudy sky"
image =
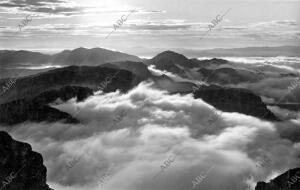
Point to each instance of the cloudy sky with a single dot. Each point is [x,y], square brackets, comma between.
[157,24]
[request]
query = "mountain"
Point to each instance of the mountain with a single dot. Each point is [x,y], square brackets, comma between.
[10,58]
[166,83]
[180,65]
[234,100]
[211,70]
[93,57]
[18,111]
[168,59]
[138,68]
[79,56]
[172,62]
[27,88]
[228,75]
[289,180]
[292,51]
[208,62]
[85,76]
[20,167]
[128,74]
[37,110]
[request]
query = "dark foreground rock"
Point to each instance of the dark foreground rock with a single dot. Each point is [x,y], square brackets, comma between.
[289,180]
[20,167]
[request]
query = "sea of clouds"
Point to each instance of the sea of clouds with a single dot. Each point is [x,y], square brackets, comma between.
[156,126]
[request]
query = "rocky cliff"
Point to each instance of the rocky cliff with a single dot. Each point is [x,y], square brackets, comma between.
[289,180]
[20,167]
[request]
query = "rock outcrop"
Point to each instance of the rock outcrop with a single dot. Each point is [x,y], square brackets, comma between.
[20,167]
[289,180]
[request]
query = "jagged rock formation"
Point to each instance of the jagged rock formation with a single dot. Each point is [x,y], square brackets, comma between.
[234,100]
[20,167]
[289,180]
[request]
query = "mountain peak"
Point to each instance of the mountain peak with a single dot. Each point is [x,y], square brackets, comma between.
[170,58]
[80,49]
[171,54]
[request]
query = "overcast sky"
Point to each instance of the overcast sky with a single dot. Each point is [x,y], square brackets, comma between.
[157,24]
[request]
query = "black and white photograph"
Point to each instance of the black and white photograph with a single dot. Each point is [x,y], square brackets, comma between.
[149,94]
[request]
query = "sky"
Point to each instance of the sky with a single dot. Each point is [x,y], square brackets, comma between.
[155,25]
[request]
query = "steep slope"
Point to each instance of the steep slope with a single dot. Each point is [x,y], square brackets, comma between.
[235,100]
[137,68]
[37,109]
[165,83]
[289,180]
[90,77]
[20,167]
[208,62]
[21,110]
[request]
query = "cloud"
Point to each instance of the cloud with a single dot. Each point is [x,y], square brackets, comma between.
[276,23]
[64,7]
[155,127]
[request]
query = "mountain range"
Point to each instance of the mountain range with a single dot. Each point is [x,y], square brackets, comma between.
[83,70]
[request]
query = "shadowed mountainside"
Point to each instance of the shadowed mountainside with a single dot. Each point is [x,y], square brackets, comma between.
[235,100]
[85,76]
[37,109]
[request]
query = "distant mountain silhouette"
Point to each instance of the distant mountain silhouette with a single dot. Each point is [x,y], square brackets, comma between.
[79,56]
[16,58]
[92,57]
[292,51]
